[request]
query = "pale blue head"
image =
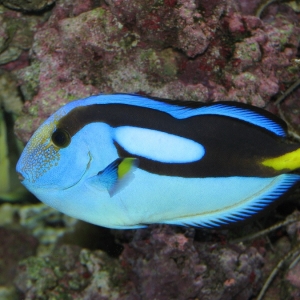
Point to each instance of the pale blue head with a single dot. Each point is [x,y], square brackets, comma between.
[56,159]
[50,155]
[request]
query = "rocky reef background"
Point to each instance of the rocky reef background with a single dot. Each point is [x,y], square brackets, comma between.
[52,52]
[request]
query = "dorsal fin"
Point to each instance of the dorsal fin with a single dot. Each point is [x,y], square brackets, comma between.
[186,109]
[246,113]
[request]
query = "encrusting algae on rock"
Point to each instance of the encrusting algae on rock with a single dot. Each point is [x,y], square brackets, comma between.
[209,51]
[116,49]
[10,147]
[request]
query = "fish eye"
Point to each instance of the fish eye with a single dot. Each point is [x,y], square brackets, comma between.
[61,138]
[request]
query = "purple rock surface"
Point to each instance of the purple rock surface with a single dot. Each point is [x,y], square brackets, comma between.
[208,50]
[166,265]
[15,245]
[157,263]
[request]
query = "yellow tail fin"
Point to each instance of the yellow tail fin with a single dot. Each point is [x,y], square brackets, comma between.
[289,161]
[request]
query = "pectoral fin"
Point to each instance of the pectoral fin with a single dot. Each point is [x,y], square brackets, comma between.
[115,176]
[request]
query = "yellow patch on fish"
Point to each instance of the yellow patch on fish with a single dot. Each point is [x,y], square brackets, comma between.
[125,166]
[289,161]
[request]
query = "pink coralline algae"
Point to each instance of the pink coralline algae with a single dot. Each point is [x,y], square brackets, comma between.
[159,264]
[166,265]
[208,50]
[178,24]
[186,50]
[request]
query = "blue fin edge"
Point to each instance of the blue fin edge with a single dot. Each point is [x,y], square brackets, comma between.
[244,114]
[249,210]
[186,109]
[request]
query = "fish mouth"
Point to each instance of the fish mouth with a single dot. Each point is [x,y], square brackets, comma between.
[86,169]
[19,171]
[20,176]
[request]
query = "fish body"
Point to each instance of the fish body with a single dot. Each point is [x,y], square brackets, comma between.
[125,161]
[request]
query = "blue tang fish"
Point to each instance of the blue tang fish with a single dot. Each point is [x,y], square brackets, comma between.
[125,161]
